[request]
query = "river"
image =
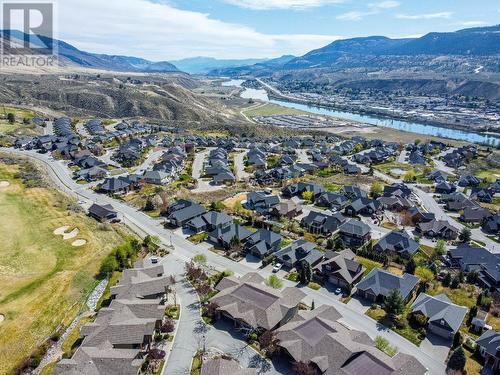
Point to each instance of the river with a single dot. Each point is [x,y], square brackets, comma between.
[414,127]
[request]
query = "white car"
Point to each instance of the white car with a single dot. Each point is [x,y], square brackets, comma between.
[277,267]
[338,291]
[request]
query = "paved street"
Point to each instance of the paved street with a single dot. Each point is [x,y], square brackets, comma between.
[184,250]
[239,165]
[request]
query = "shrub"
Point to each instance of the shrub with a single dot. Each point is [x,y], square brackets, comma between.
[274,282]
[418,320]
[383,345]
[314,286]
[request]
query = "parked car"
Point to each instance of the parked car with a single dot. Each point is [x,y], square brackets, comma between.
[277,267]
[338,291]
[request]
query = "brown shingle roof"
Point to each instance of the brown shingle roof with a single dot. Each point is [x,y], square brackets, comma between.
[247,299]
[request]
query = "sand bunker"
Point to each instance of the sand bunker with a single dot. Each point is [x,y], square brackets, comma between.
[78,243]
[4,184]
[61,231]
[2,318]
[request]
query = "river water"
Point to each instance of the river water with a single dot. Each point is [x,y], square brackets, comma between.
[414,127]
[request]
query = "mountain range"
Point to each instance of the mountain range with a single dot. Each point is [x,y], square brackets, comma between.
[379,52]
[203,65]
[69,55]
[480,42]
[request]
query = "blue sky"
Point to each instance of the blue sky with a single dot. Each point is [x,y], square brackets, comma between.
[173,29]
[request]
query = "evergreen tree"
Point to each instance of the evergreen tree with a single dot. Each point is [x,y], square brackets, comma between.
[11,118]
[465,235]
[394,304]
[457,340]
[447,280]
[457,360]
[472,315]
[305,272]
[411,266]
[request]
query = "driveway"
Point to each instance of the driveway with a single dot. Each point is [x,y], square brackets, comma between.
[251,261]
[437,345]
[359,305]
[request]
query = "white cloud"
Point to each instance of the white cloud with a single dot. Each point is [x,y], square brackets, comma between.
[426,16]
[373,8]
[159,31]
[354,15]
[386,4]
[471,23]
[281,4]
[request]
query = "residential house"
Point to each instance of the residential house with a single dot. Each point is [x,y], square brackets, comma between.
[482,195]
[321,223]
[489,348]
[209,221]
[353,192]
[492,224]
[340,269]
[444,318]
[419,216]
[183,211]
[224,236]
[395,203]
[398,243]
[287,209]
[224,365]
[263,243]
[317,338]
[156,177]
[261,202]
[298,189]
[354,233]
[334,201]
[103,213]
[438,229]
[480,260]
[119,338]
[444,187]
[363,206]
[378,284]
[298,251]
[475,215]
[251,304]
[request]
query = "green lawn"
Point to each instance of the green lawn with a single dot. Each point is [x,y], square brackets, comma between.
[368,264]
[45,281]
[407,332]
[20,114]
[490,174]
[464,296]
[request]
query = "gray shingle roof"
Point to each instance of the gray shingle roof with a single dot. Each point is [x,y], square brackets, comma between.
[381,282]
[440,310]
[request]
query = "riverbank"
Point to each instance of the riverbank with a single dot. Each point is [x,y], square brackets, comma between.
[383,115]
[425,128]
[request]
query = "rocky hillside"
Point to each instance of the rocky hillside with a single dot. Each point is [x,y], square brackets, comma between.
[161,100]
